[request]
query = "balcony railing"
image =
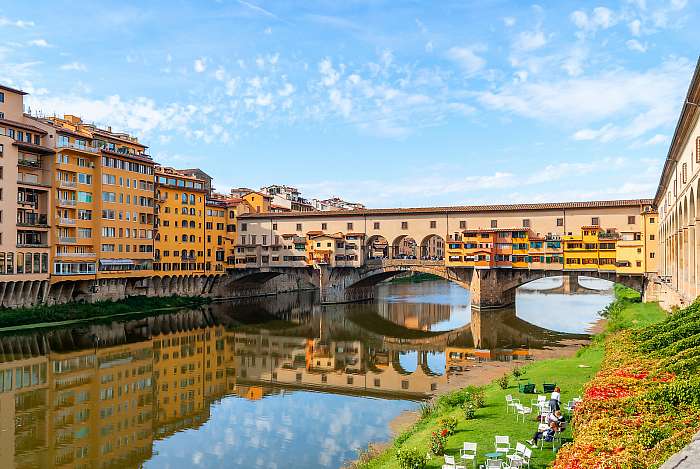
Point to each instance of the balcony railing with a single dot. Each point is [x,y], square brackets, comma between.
[30,163]
[66,239]
[78,147]
[69,184]
[24,244]
[66,221]
[67,202]
[32,220]
[76,254]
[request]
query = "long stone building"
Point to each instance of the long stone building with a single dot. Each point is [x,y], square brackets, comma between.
[677,199]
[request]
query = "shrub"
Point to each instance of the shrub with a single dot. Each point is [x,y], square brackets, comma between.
[649,436]
[411,458]
[469,410]
[517,372]
[438,439]
[503,381]
[427,409]
[449,424]
[477,396]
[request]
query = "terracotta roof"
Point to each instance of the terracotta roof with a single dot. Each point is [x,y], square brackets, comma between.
[459,209]
[355,234]
[113,136]
[144,158]
[13,90]
[314,233]
[591,227]
[22,125]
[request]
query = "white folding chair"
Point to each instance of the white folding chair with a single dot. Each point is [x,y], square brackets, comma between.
[527,454]
[540,399]
[502,444]
[493,464]
[450,463]
[524,411]
[518,453]
[468,453]
[511,402]
[513,464]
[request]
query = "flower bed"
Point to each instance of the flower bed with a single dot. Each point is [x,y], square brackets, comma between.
[644,403]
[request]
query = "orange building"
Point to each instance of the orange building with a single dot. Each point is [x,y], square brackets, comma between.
[180,212]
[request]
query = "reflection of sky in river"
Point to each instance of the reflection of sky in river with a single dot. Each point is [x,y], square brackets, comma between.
[279,431]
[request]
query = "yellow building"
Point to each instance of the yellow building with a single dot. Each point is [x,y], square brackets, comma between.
[180,209]
[103,197]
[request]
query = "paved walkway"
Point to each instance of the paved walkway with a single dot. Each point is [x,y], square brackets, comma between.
[687,458]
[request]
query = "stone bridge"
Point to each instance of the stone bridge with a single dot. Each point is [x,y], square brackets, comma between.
[488,288]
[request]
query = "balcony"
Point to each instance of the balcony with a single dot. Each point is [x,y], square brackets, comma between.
[32,219]
[75,146]
[31,180]
[66,202]
[67,184]
[29,163]
[88,255]
[31,244]
[66,221]
[66,239]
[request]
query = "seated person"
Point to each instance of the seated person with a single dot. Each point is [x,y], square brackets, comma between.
[557,418]
[547,434]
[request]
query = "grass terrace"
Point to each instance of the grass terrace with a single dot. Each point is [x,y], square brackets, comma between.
[573,375]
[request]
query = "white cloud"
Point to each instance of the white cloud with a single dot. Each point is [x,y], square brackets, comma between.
[657,139]
[678,4]
[342,104]
[200,65]
[75,66]
[530,40]
[638,101]
[17,23]
[231,86]
[635,27]
[467,58]
[286,90]
[509,21]
[429,46]
[220,74]
[39,43]
[329,75]
[600,18]
[635,45]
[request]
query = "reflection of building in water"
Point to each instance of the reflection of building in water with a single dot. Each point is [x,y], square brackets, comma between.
[419,316]
[461,358]
[337,365]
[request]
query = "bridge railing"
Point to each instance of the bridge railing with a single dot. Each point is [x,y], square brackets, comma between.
[402,262]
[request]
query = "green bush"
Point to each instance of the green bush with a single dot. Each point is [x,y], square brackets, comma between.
[664,339]
[411,458]
[648,437]
[503,381]
[448,423]
[686,391]
[438,440]
[469,410]
[684,344]
[517,372]
[427,409]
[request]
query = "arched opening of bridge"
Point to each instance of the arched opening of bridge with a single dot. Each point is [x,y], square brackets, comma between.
[377,247]
[404,247]
[432,248]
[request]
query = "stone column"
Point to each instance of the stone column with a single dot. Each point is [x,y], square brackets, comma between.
[488,289]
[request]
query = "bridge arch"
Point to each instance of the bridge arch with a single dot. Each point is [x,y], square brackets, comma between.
[377,247]
[432,247]
[404,247]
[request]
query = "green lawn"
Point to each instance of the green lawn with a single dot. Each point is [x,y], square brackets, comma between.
[494,420]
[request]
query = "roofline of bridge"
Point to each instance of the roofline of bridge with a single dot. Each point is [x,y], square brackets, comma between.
[454,209]
[689,109]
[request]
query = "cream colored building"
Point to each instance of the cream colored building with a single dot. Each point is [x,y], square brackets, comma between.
[677,200]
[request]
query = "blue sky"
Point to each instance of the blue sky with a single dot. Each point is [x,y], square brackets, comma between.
[390,103]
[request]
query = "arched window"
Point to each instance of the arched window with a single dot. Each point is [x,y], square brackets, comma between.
[184,198]
[192,224]
[191,238]
[192,199]
[192,211]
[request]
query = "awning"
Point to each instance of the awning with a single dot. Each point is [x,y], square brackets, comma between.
[116,262]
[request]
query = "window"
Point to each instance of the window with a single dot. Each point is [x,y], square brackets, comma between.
[651,255]
[462,224]
[2,97]
[651,220]
[526,223]
[324,226]
[494,223]
[404,225]
[298,226]
[631,220]
[84,197]
[595,221]
[109,197]
[433,224]
[376,225]
[349,226]
[684,173]
[274,226]
[651,237]
[697,150]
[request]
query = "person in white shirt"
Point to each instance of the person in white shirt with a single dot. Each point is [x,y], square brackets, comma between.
[555,400]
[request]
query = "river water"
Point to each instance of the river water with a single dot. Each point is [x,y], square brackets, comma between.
[276,382]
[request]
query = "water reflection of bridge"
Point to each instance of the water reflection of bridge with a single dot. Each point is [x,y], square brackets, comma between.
[60,383]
